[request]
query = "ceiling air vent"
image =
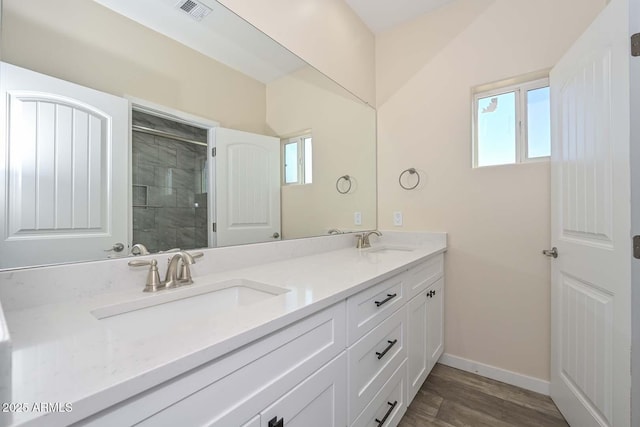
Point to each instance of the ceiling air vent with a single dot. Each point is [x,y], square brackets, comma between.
[194,9]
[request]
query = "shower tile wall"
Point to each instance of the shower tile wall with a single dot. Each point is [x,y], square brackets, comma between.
[169,186]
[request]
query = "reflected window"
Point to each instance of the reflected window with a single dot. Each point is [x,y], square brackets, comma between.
[297,156]
[512,124]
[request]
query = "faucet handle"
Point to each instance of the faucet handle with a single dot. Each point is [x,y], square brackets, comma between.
[359,241]
[153,282]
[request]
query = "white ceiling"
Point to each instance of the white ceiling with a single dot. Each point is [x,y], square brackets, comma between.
[380,15]
[221,35]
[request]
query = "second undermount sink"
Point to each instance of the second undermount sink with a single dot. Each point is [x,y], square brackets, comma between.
[384,249]
[188,302]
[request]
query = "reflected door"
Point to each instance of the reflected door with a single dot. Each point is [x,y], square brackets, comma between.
[247,171]
[591,277]
[64,180]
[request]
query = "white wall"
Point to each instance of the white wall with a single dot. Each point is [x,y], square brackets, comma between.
[91,45]
[344,133]
[325,33]
[498,283]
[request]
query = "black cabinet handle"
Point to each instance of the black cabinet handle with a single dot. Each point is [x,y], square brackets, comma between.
[387,299]
[391,344]
[382,421]
[275,423]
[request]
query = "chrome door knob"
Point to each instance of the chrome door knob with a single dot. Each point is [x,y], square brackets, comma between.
[551,253]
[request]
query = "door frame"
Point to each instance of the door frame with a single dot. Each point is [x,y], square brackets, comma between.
[169,113]
[634,76]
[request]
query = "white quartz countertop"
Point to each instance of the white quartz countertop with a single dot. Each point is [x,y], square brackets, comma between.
[62,353]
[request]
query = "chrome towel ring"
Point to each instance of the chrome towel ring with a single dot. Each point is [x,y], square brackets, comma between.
[412,171]
[345,178]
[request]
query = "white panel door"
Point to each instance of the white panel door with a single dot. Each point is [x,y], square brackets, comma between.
[591,282]
[247,187]
[64,170]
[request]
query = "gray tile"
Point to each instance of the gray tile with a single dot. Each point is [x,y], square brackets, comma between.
[185,199]
[202,239]
[175,218]
[144,219]
[143,174]
[201,219]
[167,152]
[167,239]
[186,158]
[139,195]
[147,238]
[201,199]
[186,237]
[174,178]
[144,150]
[162,197]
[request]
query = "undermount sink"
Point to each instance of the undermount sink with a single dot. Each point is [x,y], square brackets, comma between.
[390,249]
[191,301]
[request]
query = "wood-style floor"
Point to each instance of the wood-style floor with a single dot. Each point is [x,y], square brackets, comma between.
[454,398]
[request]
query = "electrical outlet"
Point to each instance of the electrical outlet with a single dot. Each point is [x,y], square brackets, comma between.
[357,218]
[397,219]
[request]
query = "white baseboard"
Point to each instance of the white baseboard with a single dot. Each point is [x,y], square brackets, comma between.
[498,374]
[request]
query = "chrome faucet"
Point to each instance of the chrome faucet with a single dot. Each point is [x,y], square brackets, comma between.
[178,272]
[365,238]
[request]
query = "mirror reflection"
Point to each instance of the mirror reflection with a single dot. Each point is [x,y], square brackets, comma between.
[104,183]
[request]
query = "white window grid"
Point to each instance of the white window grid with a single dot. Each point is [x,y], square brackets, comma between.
[300,141]
[521,116]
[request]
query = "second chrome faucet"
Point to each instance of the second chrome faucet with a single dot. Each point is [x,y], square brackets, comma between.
[178,271]
[363,239]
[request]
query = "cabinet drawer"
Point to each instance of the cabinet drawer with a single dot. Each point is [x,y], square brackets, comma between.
[374,358]
[420,277]
[389,405]
[370,307]
[249,378]
[319,401]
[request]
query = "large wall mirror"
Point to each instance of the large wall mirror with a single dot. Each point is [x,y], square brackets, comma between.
[171,125]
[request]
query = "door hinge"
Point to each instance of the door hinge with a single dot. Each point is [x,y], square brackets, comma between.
[213,152]
[213,227]
[636,247]
[635,44]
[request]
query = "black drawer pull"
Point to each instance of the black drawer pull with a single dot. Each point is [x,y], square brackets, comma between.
[275,423]
[387,299]
[382,421]
[391,344]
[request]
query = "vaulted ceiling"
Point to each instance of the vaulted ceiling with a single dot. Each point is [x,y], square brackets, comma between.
[380,15]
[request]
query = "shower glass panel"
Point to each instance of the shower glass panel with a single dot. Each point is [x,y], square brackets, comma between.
[169,189]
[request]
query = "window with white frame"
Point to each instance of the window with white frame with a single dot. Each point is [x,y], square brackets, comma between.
[297,160]
[512,124]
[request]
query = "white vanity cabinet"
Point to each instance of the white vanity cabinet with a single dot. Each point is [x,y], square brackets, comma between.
[425,322]
[424,335]
[254,380]
[357,363]
[393,348]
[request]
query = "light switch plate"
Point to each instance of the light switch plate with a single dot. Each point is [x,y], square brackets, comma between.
[397,219]
[357,218]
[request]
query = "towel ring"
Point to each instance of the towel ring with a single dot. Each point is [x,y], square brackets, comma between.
[347,178]
[412,171]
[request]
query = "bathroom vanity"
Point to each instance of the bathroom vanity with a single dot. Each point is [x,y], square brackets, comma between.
[336,336]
